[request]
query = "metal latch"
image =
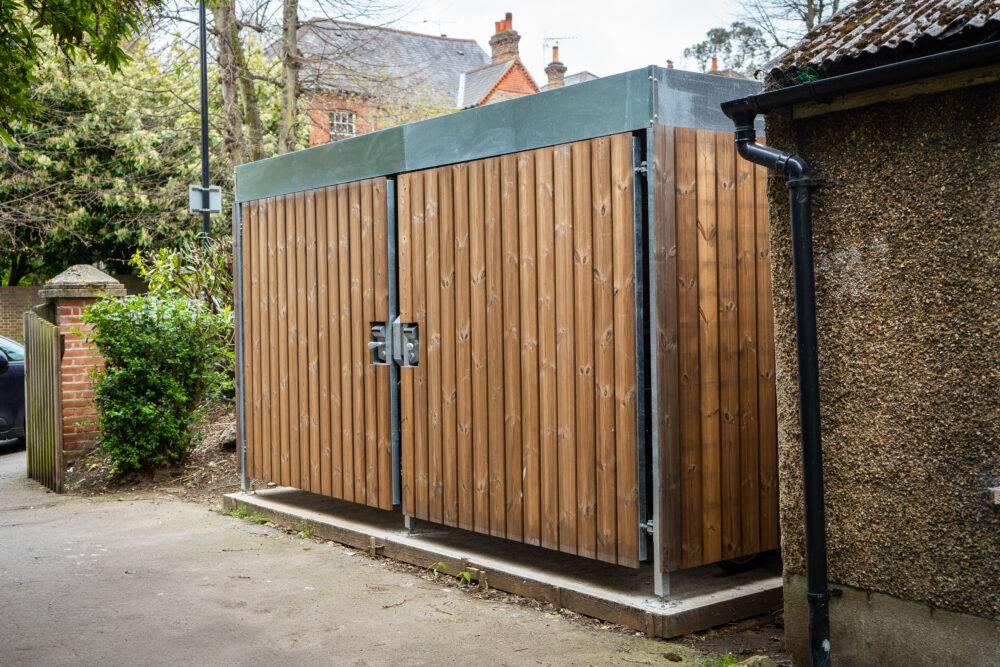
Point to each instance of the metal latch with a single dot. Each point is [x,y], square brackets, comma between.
[408,349]
[394,342]
[378,344]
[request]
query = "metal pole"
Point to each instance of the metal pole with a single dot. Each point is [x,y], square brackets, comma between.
[241,419]
[206,216]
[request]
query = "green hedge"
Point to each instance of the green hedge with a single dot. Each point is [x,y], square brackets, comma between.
[164,356]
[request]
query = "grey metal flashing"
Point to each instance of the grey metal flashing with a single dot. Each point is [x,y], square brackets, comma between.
[609,105]
[692,99]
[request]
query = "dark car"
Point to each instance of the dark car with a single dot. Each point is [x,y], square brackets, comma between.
[11,389]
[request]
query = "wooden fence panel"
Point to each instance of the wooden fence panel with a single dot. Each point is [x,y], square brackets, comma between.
[43,412]
[535,347]
[714,350]
[315,277]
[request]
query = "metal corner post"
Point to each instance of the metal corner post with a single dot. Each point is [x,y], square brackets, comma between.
[661,579]
[394,407]
[642,349]
[238,307]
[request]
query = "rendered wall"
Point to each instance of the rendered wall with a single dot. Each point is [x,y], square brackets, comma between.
[907,252]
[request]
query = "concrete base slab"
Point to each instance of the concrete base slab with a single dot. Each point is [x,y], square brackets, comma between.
[700,598]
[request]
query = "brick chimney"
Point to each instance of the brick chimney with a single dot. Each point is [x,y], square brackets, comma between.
[715,64]
[504,41]
[556,71]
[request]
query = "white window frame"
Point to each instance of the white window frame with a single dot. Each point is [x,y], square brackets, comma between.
[343,124]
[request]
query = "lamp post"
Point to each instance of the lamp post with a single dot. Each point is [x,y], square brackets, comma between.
[204,199]
[206,212]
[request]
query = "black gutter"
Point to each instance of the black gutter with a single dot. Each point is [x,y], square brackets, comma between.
[743,112]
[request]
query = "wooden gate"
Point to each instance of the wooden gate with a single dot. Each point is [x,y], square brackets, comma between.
[520,420]
[42,413]
[314,279]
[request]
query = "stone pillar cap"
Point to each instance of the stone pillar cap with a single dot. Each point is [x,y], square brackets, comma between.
[81,281]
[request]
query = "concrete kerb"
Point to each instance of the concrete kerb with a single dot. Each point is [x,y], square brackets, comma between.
[657,618]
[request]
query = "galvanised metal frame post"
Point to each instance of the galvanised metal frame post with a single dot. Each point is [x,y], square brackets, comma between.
[642,350]
[241,436]
[394,408]
[661,578]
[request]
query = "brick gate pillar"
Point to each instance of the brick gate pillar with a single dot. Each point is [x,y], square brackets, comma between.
[66,296]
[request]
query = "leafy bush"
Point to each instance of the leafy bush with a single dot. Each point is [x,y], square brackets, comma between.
[194,269]
[163,356]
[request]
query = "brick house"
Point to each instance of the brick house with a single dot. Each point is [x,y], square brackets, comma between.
[361,78]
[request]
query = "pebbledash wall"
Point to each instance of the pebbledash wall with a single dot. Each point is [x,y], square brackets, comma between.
[907,253]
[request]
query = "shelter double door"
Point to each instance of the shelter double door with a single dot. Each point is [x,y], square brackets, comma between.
[515,276]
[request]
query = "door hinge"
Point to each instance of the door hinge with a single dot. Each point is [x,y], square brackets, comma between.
[642,168]
[647,526]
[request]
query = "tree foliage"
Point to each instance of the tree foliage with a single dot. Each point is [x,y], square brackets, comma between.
[101,168]
[765,28]
[739,47]
[28,28]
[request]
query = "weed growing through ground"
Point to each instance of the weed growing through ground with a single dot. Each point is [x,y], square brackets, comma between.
[725,661]
[304,531]
[465,577]
[241,512]
[438,567]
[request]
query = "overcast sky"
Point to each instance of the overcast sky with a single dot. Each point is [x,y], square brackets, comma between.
[603,37]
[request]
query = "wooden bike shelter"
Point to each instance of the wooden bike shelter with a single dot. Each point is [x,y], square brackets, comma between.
[546,320]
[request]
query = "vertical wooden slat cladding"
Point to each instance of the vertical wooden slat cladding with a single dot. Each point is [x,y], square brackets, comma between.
[718,457]
[316,267]
[312,328]
[586,443]
[404,255]
[664,304]
[323,344]
[479,351]
[251,292]
[531,482]
[302,340]
[505,261]
[604,348]
[344,338]
[262,365]
[466,496]
[520,419]
[273,323]
[359,339]
[729,368]
[547,399]
[626,437]
[367,370]
[380,235]
[496,346]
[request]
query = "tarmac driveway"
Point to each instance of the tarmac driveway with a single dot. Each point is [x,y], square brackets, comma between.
[154,580]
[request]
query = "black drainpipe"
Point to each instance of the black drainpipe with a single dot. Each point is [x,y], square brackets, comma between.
[743,112]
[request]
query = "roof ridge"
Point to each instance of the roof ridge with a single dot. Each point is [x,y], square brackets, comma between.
[311,22]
